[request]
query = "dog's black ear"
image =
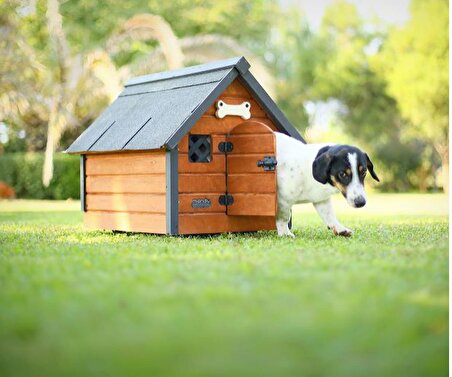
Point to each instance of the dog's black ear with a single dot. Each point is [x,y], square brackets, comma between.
[370,167]
[321,165]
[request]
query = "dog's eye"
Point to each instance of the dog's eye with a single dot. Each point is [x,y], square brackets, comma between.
[342,174]
[363,173]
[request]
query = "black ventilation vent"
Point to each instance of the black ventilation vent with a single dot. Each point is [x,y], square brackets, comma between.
[199,148]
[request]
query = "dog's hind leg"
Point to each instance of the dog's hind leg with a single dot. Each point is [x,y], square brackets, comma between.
[326,212]
[282,221]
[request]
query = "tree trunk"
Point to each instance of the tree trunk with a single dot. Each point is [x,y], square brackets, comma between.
[54,131]
[47,169]
[443,150]
[445,168]
[57,39]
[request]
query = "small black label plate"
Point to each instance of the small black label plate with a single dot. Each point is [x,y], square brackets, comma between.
[201,203]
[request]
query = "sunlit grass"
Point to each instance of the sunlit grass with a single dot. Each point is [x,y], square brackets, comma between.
[87,303]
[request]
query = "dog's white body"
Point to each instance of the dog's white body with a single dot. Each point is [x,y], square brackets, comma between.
[296,184]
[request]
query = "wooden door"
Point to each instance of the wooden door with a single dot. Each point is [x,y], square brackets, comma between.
[251,170]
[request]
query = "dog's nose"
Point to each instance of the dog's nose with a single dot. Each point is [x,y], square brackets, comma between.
[360,202]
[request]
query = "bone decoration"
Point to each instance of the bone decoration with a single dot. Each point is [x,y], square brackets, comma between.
[242,110]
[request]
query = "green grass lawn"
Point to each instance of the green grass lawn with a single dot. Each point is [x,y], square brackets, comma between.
[88,303]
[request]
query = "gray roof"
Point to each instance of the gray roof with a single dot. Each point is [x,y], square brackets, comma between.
[157,110]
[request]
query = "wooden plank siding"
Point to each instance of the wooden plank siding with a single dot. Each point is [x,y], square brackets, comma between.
[209,124]
[149,162]
[255,204]
[126,191]
[216,165]
[202,183]
[205,223]
[208,180]
[126,221]
[219,128]
[147,203]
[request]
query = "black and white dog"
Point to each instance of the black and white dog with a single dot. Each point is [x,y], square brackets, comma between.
[311,173]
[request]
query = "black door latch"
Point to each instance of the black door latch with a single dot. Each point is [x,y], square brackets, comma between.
[225,146]
[226,200]
[268,163]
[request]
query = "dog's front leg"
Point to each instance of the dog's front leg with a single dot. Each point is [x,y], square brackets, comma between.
[326,212]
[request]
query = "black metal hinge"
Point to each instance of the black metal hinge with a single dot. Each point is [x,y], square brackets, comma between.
[225,146]
[268,163]
[226,200]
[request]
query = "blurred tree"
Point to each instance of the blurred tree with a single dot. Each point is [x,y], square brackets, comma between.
[415,61]
[20,70]
[90,23]
[71,89]
[296,54]
[370,114]
[43,85]
[173,52]
[334,66]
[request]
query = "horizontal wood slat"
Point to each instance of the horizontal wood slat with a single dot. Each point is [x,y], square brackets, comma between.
[251,183]
[236,89]
[253,205]
[128,222]
[242,163]
[216,139]
[202,183]
[126,163]
[218,223]
[185,203]
[256,110]
[244,144]
[150,203]
[126,184]
[216,165]
[209,124]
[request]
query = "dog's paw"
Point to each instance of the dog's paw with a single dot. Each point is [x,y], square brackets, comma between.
[342,231]
[290,234]
[287,233]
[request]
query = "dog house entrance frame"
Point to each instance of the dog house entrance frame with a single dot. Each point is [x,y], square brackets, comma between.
[250,183]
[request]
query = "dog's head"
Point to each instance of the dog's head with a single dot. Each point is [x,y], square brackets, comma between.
[345,168]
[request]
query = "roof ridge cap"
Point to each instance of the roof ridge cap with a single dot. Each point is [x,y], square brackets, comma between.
[239,62]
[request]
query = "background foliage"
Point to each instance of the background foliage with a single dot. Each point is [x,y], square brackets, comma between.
[22,171]
[389,86]
[352,80]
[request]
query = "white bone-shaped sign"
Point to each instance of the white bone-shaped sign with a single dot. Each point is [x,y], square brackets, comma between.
[242,110]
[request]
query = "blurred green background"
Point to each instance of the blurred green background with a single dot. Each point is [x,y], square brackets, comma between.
[374,74]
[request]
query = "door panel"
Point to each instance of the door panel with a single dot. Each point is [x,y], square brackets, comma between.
[253,205]
[252,143]
[252,187]
[244,163]
[252,183]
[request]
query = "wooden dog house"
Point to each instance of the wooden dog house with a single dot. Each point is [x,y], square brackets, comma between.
[184,152]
